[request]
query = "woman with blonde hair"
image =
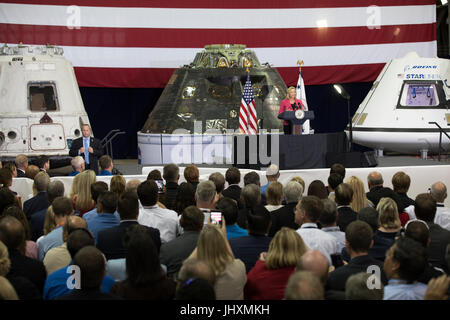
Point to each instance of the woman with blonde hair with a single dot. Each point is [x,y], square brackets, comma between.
[83,199]
[299,180]
[117,185]
[274,193]
[290,103]
[214,249]
[388,218]
[388,226]
[268,278]
[359,199]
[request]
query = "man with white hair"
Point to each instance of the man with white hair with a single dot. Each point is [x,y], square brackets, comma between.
[439,193]
[272,174]
[77,166]
[285,217]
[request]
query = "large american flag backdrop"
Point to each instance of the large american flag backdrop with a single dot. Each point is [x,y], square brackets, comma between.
[139,43]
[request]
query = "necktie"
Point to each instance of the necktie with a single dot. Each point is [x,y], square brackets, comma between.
[86,151]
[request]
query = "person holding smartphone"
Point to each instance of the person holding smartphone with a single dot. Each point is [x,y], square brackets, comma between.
[229,208]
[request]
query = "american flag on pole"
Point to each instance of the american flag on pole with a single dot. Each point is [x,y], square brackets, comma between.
[247,115]
[301,95]
[138,43]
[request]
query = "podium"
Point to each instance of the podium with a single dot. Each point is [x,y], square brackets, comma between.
[297,118]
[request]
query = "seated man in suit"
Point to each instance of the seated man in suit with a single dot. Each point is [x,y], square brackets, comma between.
[106,165]
[377,191]
[233,177]
[87,147]
[249,248]
[55,189]
[425,209]
[109,241]
[43,162]
[174,252]
[21,162]
[285,217]
[40,200]
[358,240]
[343,197]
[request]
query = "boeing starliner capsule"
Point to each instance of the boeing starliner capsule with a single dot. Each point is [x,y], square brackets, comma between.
[41,109]
[404,107]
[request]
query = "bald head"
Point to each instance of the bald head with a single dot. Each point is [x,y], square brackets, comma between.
[12,233]
[72,223]
[439,191]
[374,179]
[314,261]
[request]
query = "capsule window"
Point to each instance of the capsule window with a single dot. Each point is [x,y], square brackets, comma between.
[42,96]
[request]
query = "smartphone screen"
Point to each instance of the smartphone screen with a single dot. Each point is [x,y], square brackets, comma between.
[216,218]
[160,184]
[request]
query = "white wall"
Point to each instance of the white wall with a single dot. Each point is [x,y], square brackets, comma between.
[422,177]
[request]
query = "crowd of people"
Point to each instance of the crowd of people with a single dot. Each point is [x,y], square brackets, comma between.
[161,240]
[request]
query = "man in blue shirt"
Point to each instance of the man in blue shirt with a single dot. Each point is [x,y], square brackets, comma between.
[87,147]
[96,188]
[248,248]
[77,166]
[106,165]
[57,283]
[404,264]
[105,218]
[229,209]
[62,208]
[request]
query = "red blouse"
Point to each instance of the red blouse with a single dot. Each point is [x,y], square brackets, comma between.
[286,106]
[266,284]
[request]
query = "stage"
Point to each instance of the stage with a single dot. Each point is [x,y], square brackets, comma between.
[243,151]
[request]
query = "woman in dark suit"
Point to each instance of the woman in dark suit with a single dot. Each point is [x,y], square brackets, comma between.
[290,104]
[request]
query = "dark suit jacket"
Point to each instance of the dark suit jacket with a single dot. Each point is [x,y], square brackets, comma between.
[283,217]
[174,252]
[440,238]
[171,195]
[405,201]
[25,289]
[233,192]
[33,270]
[249,248]
[21,174]
[338,277]
[345,216]
[109,241]
[37,224]
[376,193]
[93,157]
[35,204]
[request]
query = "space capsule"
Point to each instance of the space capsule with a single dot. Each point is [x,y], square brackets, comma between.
[405,106]
[41,110]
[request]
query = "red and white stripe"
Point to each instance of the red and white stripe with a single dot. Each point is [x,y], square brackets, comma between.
[139,43]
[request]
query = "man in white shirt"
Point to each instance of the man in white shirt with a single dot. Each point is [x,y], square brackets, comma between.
[151,215]
[307,213]
[439,193]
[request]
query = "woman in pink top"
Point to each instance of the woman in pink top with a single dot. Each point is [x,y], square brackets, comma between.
[290,104]
[268,278]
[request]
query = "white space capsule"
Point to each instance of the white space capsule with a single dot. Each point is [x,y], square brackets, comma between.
[409,93]
[41,109]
